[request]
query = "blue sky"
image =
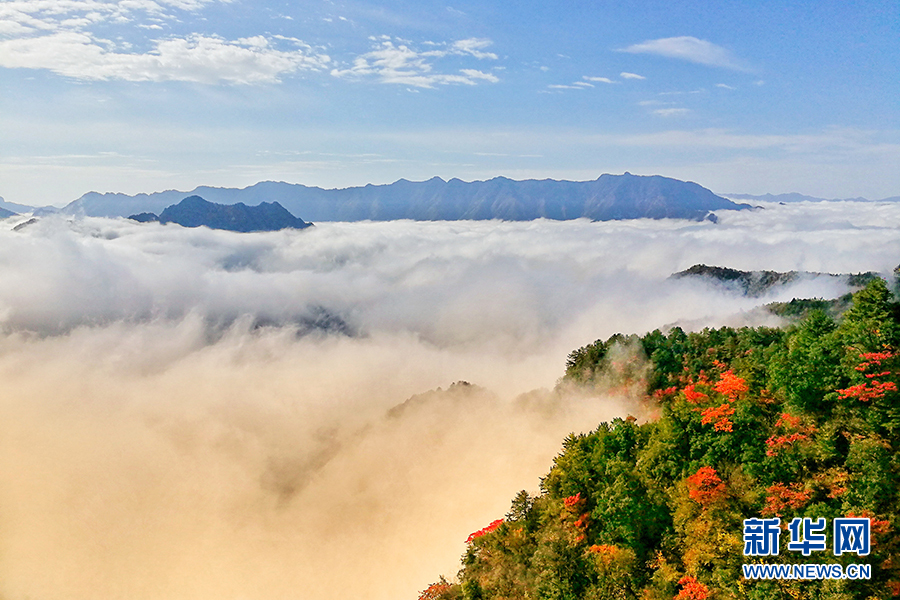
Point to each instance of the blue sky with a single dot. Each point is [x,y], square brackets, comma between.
[146,95]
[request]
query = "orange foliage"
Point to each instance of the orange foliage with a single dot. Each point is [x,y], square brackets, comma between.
[490,528]
[878,526]
[692,589]
[605,552]
[835,481]
[692,395]
[434,591]
[781,497]
[873,389]
[863,392]
[873,358]
[705,486]
[788,421]
[660,394]
[731,386]
[603,549]
[583,521]
[795,432]
[719,415]
[574,501]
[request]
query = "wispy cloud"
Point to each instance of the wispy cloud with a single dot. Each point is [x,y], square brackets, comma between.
[401,63]
[671,112]
[725,86]
[625,75]
[196,58]
[690,49]
[599,79]
[473,46]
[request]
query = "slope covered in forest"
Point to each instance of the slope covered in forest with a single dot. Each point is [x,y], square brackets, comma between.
[749,423]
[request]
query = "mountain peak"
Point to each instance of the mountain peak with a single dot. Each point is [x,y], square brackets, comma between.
[195,211]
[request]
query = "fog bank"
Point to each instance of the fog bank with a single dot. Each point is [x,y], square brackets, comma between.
[201,414]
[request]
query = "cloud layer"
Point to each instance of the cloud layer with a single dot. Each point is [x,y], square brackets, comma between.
[191,414]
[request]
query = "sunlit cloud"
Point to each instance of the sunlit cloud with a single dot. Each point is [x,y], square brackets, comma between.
[690,49]
[395,61]
[625,75]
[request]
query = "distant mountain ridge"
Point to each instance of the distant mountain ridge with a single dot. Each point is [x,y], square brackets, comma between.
[609,197]
[757,283]
[194,211]
[795,197]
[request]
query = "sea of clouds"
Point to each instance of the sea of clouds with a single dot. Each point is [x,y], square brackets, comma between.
[189,413]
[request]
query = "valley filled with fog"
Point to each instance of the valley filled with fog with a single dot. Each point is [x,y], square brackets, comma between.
[190,413]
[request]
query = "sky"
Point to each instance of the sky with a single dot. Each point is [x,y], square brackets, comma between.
[172,427]
[742,97]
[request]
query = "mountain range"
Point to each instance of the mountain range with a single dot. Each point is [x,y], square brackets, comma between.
[609,197]
[794,197]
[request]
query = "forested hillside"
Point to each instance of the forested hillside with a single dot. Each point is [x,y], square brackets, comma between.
[743,423]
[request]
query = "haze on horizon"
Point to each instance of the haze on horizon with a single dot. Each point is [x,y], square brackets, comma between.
[114,95]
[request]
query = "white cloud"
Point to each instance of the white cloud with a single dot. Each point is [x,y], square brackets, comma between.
[690,49]
[197,58]
[473,46]
[725,86]
[55,15]
[599,79]
[402,64]
[671,112]
[474,74]
[57,36]
[625,75]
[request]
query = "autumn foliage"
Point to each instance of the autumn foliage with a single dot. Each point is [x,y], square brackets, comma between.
[435,591]
[718,416]
[731,386]
[780,498]
[692,589]
[705,486]
[492,527]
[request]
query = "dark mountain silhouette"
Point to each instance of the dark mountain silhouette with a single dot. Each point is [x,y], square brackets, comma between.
[607,198]
[194,211]
[757,283]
